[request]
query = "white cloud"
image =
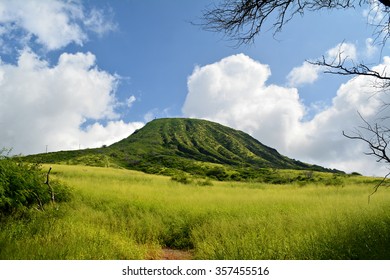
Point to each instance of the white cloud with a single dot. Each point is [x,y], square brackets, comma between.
[51,23]
[98,135]
[371,48]
[305,74]
[157,113]
[343,51]
[149,116]
[376,14]
[43,104]
[130,101]
[98,22]
[308,73]
[233,92]
[46,105]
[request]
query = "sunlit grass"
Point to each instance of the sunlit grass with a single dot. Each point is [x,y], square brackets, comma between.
[121,214]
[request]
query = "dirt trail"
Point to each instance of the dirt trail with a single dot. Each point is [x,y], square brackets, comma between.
[174,254]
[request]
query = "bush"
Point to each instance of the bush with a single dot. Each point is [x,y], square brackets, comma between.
[181,178]
[61,190]
[206,182]
[217,173]
[336,180]
[23,185]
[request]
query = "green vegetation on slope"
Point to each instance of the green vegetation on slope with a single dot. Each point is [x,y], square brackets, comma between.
[175,146]
[23,186]
[122,214]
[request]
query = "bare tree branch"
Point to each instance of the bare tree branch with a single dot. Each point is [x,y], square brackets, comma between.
[242,20]
[378,185]
[338,67]
[378,17]
[49,186]
[378,139]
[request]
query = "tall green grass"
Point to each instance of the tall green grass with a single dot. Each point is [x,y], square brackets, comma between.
[121,214]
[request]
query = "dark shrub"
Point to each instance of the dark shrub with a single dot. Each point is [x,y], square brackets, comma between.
[217,173]
[23,185]
[181,178]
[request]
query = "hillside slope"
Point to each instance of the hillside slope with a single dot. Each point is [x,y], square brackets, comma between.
[165,146]
[203,141]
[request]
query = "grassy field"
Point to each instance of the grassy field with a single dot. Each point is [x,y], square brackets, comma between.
[122,214]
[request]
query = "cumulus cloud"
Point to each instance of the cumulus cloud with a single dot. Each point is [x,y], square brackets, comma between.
[51,23]
[342,52]
[305,74]
[97,135]
[46,105]
[234,92]
[64,105]
[308,73]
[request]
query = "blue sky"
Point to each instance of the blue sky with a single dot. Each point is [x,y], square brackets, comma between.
[155,48]
[87,73]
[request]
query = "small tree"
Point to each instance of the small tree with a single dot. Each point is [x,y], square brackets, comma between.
[22,186]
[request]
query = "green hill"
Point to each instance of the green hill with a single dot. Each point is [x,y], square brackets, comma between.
[176,145]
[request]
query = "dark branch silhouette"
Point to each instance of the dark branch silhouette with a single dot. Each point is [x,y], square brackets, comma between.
[338,67]
[242,20]
[50,187]
[377,138]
